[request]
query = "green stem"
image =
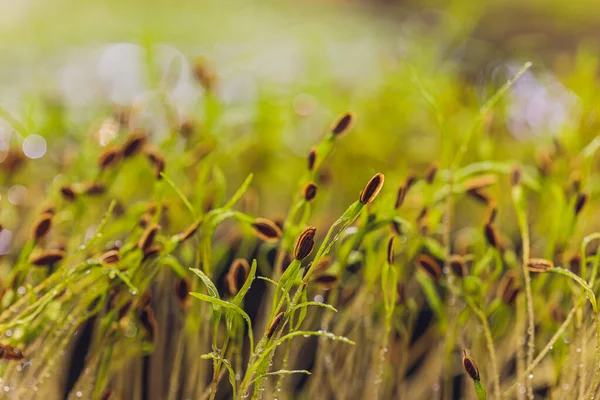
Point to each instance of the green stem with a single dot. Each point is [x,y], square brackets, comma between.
[521,211]
[480,390]
[490,346]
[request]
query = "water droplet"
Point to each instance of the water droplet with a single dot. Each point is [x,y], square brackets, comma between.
[530,376]
[79,394]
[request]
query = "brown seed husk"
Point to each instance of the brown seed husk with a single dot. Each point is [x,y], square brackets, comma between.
[580,202]
[182,291]
[372,189]
[491,235]
[507,289]
[312,158]
[539,265]
[191,230]
[343,124]
[266,229]
[490,216]
[431,172]
[430,266]
[516,175]
[68,193]
[151,251]
[305,243]
[147,238]
[390,250]
[134,144]
[470,366]
[156,158]
[94,189]
[42,226]
[411,179]
[327,281]
[275,325]
[458,265]
[400,196]
[309,191]
[237,275]
[47,258]
[110,257]
[109,157]
[575,264]
[396,228]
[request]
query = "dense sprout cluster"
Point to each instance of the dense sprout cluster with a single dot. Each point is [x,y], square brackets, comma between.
[142,261]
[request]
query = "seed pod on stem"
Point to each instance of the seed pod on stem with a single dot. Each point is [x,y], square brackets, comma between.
[68,193]
[431,172]
[430,266]
[237,275]
[470,366]
[580,202]
[182,291]
[147,238]
[42,226]
[327,281]
[305,243]
[266,229]
[309,191]
[134,144]
[109,157]
[343,124]
[400,195]
[312,158]
[372,189]
[47,258]
[276,325]
[458,265]
[539,265]
[110,257]
[390,250]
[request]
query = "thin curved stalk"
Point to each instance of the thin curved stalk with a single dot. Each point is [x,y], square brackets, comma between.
[489,341]
[521,211]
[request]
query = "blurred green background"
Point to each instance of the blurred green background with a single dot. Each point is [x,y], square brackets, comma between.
[287,68]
